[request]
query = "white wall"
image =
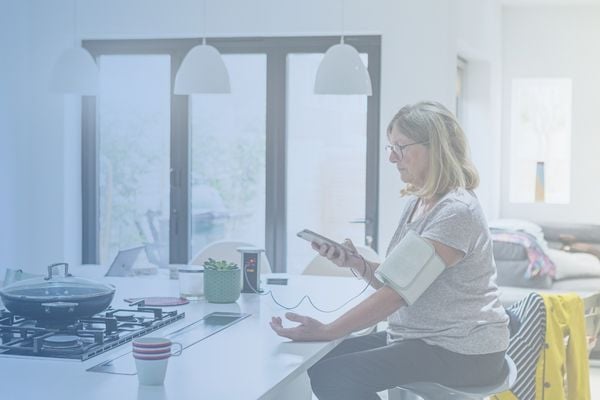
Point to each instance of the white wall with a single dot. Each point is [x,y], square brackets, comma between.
[52,154]
[558,41]
[419,49]
[479,38]
[13,45]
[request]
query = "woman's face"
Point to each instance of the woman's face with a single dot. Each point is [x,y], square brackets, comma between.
[413,162]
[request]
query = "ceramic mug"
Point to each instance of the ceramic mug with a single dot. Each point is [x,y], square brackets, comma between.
[151,356]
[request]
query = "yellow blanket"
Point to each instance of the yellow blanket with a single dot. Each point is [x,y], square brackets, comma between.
[562,371]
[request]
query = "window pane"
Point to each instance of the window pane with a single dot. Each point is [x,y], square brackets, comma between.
[326,161]
[228,157]
[540,141]
[134,126]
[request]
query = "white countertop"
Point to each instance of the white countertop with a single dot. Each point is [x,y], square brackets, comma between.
[245,361]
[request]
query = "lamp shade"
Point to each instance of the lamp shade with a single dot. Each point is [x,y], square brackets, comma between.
[202,71]
[342,72]
[75,72]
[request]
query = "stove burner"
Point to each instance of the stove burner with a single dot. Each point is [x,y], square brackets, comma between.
[81,339]
[62,342]
[125,317]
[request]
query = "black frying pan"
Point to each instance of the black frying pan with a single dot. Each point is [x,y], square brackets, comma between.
[57,299]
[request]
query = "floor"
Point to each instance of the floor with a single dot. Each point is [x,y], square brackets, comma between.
[594,383]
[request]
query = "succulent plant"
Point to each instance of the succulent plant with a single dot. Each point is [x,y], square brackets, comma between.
[220,265]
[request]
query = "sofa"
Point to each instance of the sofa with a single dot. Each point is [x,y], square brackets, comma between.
[512,261]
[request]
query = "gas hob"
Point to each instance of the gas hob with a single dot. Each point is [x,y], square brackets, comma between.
[80,339]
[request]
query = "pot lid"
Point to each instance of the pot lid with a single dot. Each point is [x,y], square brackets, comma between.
[56,287]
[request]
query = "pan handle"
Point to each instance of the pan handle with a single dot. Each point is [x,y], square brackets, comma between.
[51,268]
[58,305]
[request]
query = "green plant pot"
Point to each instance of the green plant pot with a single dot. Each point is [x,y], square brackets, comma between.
[222,286]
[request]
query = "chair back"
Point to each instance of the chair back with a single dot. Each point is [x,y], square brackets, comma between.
[227,250]
[320,265]
[526,343]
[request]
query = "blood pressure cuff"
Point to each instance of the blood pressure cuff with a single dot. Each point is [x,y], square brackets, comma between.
[411,267]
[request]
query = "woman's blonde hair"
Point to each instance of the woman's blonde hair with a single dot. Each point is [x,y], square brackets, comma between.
[450,165]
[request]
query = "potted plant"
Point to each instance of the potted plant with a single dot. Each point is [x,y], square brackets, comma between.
[222,281]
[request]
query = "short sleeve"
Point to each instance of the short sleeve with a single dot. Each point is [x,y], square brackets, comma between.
[452,225]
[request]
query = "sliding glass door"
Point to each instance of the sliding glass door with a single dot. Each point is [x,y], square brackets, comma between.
[326,159]
[228,186]
[133,155]
[176,173]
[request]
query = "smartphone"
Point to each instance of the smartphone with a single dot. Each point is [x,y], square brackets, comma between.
[319,239]
[277,281]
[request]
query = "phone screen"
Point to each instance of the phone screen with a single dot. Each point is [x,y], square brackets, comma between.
[315,237]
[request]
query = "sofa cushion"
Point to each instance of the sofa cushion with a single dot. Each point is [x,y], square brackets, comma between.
[509,251]
[587,233]
[513,273]
[574,265]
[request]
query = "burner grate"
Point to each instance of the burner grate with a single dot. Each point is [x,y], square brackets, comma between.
[80,339]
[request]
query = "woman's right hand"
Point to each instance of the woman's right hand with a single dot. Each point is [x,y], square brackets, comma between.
[340,256]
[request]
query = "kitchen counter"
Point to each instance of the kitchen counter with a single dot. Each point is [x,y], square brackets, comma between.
[244,361]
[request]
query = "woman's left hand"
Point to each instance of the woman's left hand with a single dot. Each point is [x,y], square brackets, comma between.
[309,329]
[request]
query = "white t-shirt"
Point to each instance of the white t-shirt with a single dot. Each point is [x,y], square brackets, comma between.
[461,310]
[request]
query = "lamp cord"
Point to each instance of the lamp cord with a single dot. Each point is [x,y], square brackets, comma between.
[343,19]
[75,44]
[203,22]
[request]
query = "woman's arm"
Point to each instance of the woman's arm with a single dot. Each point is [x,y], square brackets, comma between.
[369,312]
[373,309]
[367,272]
[449,255]
[353,260]
[366,269]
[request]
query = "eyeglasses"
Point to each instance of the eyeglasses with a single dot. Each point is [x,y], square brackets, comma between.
[399,149]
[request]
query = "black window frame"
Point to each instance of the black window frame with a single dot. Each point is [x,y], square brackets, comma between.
[276,50]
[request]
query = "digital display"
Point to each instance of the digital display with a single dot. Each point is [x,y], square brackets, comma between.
[251,281]
[250,262]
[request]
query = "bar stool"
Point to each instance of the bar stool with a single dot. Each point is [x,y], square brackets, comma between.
[435,391]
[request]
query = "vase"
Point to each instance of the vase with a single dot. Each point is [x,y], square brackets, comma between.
[222,286]
[540,183]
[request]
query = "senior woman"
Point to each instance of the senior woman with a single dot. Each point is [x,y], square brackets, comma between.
[455,332]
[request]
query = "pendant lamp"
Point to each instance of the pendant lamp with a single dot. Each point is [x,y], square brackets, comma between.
[342,71]
[75,71]
[202,69]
